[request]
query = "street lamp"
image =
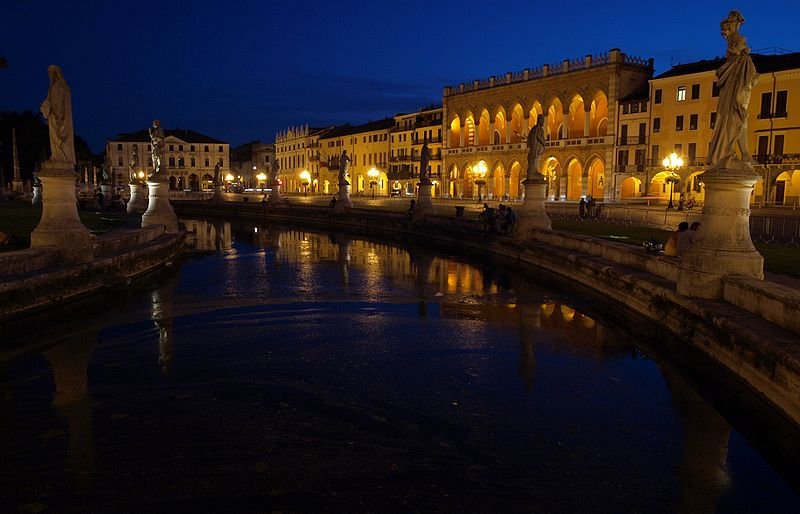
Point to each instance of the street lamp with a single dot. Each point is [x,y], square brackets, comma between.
[373,179]
[262,177]
[228,178]
[305,178]
[672,164]
[479,171]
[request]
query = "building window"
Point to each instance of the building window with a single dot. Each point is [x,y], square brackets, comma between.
[119,161]
[194,163]
[656,125]
[766,105]
[681,96]
[692,154]
[171,148]
[777,148]
[180,148]
[220,148]
[714,89]
[205,149]
[191,148]
[695,91]
[119,146]
[172,162]
[780,103]
[713,120]
[181,162]
[625,109]
[657,99]
[207,164]
[693,122]
[654,155]
[679,123]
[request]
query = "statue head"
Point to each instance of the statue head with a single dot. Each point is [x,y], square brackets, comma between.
[54,72]
[730,25]
[156,123]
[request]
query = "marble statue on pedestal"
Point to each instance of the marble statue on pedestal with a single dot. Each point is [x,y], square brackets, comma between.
[157,149]
[536,141]
[217,174]
[344,167]
[57,110]
[132,165]
[736,78]
[424,163]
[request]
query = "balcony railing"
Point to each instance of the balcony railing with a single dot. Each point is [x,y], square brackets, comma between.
[783,158]
[632,140]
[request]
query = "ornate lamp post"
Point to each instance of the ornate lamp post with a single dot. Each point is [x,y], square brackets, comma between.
[373,179]
[479,171]
[228,179]
[672,163]
[261,177]
[305,179]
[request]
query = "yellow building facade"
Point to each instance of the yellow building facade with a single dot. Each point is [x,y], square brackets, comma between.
[409,133]
[683,103]
[487,121]
[297,150]
[190,157]
[368,147]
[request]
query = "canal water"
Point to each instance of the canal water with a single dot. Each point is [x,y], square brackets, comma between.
[284,370]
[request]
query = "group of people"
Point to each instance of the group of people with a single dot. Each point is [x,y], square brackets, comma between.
[501,220]
[681,239]
[588,208]
[117,202]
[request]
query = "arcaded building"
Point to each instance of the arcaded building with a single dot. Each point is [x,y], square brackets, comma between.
[487,121]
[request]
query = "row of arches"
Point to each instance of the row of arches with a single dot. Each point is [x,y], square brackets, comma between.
[579,117]
[192,182]
[572,180]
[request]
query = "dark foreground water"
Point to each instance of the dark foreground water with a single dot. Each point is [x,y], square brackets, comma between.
[292,371]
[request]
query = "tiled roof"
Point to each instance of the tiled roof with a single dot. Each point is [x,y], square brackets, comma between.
[186,135]
[764,64]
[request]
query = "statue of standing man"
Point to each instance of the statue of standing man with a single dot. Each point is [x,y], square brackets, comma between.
[536,142]
[344,166]
[736,78]
[57,110]
[424,163]
[157,148]
[134,163]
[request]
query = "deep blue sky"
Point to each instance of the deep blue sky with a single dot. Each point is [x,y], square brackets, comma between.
[240,70]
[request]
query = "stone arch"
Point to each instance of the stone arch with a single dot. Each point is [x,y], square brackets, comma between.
[595,177]
[484,129]
[552,170]
[455,132]
[470,135]
[660,187]
[518,123]
[631,187]
[515,179]
[498,179]
[535,110]
[577,116]
[554,128]
[574,178]
[499,127]
[194,182]
[598,117]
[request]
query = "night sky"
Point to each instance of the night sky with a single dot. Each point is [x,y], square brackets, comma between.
[240,71]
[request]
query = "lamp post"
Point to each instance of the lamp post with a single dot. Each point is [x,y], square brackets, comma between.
[228,178]
[305,178]
[672,164]
[261,177]
[373,179]
[479,171]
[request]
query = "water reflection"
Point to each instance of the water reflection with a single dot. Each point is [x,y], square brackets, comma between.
[314,355]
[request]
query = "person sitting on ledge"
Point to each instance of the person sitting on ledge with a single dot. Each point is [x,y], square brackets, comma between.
[671,248]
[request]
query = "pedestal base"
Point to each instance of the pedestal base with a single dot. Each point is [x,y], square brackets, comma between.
[343,200]
[108,193]
[723,245]
[275,197]
[424,205]
[17,186]
[138,201]
[532,215]
[159,211]
[60,226]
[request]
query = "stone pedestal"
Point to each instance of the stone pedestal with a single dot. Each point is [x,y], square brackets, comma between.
[37,195]
[424,205]
[217,196]
[343,200]
[159,211]
[723,245]
[60,226]
[108,193]
[275,197]
[532,216]
[137,204]
[17,186]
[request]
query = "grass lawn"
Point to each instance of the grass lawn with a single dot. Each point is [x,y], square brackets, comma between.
[19,219]
[777,258]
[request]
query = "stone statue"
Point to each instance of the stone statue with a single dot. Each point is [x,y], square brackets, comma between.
[104,170]
[536,143]
[736,78]
[217,177]
[157,148]
[132,178]
[344,166]
[424,162]
[273,172]
[57,110]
